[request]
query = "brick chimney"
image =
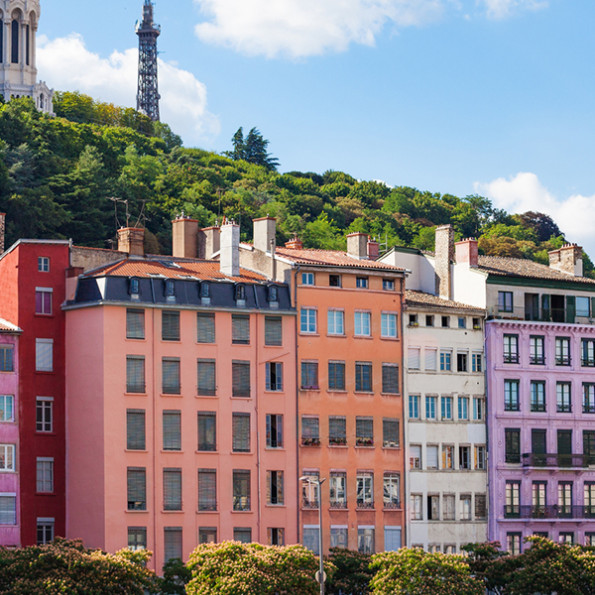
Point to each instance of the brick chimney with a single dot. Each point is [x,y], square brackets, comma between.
[466,252]
[229,255]
[131,240]
[567,259]
[209,242]
[185,237]
[445,236]
[2,231]
[373,249]
[357,245]
[265,230]
[295,244]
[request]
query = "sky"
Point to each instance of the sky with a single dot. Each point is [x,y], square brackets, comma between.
[494,97]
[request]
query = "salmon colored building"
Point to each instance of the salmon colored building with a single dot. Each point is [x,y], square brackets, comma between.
[181,405]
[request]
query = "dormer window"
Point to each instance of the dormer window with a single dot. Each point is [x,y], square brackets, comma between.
[240,291]
[170,288]
[134,287]
[205,293]
[273,293]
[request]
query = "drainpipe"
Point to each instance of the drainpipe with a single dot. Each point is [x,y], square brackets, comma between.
[153,364]
[258,465]
[297,407]
[404,523]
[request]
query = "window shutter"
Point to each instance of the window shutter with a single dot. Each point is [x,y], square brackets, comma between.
[390,378]
[205,328]
[241,379]
[172,489]
[8,510]
[135,429]
[207,489]
[431,359]
[241,432]
[206,373]
[413,358]
[137,488]
[240,329]
[337,428]
[392,539]
[172,439]
[432,457]
[207,431]
[135,324]
[171,376]
[44,355]
[336,376]
[415,455]
[6,363]
[135,374]
[390,432]
[480,506]
[273,330]
[170,325]
[172,541]
[364,427]
[310,428]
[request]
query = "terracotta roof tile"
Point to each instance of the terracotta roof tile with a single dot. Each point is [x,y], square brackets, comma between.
[420,298]
[332,258]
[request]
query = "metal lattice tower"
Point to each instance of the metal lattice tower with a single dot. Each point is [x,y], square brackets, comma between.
[147,98]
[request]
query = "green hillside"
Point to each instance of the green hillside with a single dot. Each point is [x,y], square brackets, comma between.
[57,176]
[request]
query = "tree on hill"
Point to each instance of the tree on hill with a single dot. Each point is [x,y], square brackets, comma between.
[252,148]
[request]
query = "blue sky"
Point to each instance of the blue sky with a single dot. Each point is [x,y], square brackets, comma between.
[459,96]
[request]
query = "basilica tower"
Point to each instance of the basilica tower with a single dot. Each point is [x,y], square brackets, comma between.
[18,53]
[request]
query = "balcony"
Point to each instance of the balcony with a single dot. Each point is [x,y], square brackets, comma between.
[531,459]
[309,504]
[555,511]
[338,504]
[364,504]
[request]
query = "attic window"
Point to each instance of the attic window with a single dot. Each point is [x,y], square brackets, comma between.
[273,293]
[204,291]
[134,286]
[240,291]
[170,288]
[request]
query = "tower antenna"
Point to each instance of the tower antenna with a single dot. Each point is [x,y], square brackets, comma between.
[147,98]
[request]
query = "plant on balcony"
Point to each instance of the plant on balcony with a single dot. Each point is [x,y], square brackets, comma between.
[310,441]
[364,441]
[337,441]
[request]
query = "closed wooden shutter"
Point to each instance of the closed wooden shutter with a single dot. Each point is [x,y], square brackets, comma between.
[240,329]
[172,433]
[170,325]
[137,488]
[432,457]
[135,429]
[172,489]
[273,330]
[390,379]
[171,376]
[480,506]
[431,359]
[413,358]
[364,429]
[44,355]
[135,374]
[309,375]
[135,324]
[241,379]
[172,542]
[8,510]
[206,377]
[207,431]
[207,489]
[390,433]
[241,432]
[205,328]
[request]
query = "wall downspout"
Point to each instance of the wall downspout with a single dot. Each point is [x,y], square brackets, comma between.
[256,409]
[404,401]
[153,365]
[297,408]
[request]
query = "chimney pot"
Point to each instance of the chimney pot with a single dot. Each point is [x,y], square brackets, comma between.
[466,252]
[373,250]
[357,245]
[131,240]
[567,259]
[185,237]
[294,244]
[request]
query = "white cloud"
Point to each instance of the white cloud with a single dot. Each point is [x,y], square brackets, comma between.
[67,65]
[575,214]
[501,9]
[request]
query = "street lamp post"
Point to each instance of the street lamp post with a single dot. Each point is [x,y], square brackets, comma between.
[317,481]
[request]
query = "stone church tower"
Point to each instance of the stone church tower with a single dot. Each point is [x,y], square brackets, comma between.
[18,53]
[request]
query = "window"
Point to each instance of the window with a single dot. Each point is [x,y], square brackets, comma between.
[6,358]
[334,280]
[240,432]
[273,330]
[413,320]
[476,362]
[388,326]
[417,507]
[463,403]
[172,489]
[480,506]
[273,296]
[170,367]
[310,490]
[137,538]
[505,303]
[448,456]
[274,429]
[338,490]
[512,499]
[207,489]
[134,288]
[445,321]
[45,530]
[275,487]
[135,374]
[537,395]
[365,540]
[170,325]
[563,401]
[7,410]
[588,352]
[43,264]
[511,349]
[274,376]
[205,328]
[413,358]
[465,508]
[589,499]
[337,430]
[206,377]
[364,431]
[310,431]
[478,408]
[7,457]
[539,497]
[582,307]
[390,433]
[465,457]
[336,375]
[339,537]
[276,536]
[566,537]
[429,320]
[310,538]
[480,458]
[207,431]
[135,429]
[511,395]
[241,489]
[391,490]
[477,324]
[335,322]
[414,406]
[169,289]
[361,282]
[365,489]
[43,300]
[462,322]
[45,475]
[431,358]
[240,295]
[536,350]
[240,329]
[431,407]
[172,439]
[433,507]
[135,324]
[390,379]
[307,278]
[446,407]
[415,456]
[363,377]
[308,320]
[589,446]
[588,398]
[462,362]
[207,535]
[242,534]
[240,379]
[172,543]
[565,489]
[445,361]
[44,355]
[388,284]
[137,488]
[562,351]
[448,507]
[309,375]
[512,439]
[362,324]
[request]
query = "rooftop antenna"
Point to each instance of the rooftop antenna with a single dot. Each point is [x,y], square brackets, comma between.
[147,98]
[117,200]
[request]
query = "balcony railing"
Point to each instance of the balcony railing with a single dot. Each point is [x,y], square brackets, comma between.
[555,511]
[309,504]
[338,504]
[364,504]
[531,459]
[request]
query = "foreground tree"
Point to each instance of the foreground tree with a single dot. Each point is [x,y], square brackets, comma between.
[252,148]
[352,574]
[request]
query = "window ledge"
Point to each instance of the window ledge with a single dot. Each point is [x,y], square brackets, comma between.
[306,334]
[172,511]
[390,394]
[337,391]
[310,389]
[241,512]
[389,338]
[364,392]
[39,432]
[175,395]
[338,446]
[137,339]
[173,450]
[133,450]
[206,396]
[206,452]
[136,511]
[337,335]
[143,394]
[368,337]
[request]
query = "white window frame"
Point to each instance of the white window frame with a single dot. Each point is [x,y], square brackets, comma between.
[3,417]
[388,325]
[335,322]
[45,401]
[44,290]
[46,523]
[307,278]
[43,264]
[362,326]
[38,354]
[44,485]
[309,321]
[8,464]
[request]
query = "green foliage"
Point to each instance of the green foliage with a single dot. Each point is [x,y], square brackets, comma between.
[175,577]
[231,568]
[252,149]
[352,574]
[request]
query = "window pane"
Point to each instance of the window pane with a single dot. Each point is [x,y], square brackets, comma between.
[205,327]
[172,433]
[207,431]
[241,432]
[206,377]
[135,429]
[240,329]
[170,325]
